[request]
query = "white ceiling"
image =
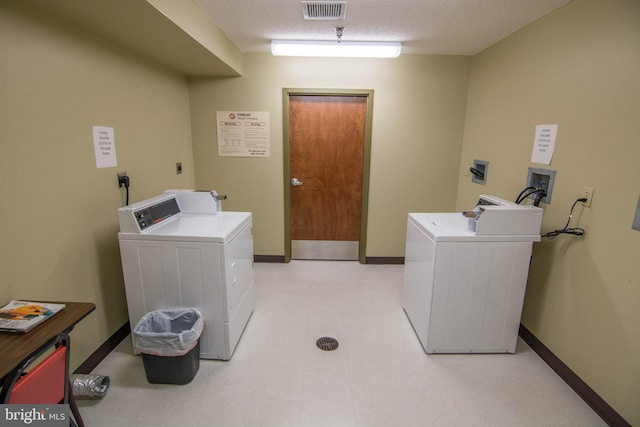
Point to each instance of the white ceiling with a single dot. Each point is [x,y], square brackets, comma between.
[451,27]
[156,29]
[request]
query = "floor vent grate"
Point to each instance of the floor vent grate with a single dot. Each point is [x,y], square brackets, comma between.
[327,343]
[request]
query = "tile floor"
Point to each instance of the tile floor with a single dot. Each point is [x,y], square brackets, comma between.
[379,375]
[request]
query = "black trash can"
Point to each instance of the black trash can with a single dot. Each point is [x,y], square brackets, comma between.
[169,341]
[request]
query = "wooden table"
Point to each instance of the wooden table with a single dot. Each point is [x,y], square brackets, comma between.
[15,347]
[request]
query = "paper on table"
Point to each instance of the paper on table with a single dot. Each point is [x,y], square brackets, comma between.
[22,316]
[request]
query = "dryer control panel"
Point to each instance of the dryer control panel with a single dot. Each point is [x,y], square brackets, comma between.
[138,217]
[155,214]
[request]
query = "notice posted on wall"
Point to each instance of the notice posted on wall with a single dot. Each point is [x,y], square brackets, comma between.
[244,133]
[104,146]
[544,144]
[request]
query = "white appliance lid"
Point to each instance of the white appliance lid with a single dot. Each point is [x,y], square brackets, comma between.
[194,227]
[454,227]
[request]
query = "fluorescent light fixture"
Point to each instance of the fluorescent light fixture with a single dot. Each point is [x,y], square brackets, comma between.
[334,49]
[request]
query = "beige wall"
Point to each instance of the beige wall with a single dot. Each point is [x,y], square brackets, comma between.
[418,116]
[578,68]
[58,220]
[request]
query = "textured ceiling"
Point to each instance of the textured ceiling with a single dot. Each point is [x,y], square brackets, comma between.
[453,27]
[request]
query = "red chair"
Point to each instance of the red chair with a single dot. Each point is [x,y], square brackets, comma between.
[46,383]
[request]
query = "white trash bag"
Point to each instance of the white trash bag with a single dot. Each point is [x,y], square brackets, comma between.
[171,332]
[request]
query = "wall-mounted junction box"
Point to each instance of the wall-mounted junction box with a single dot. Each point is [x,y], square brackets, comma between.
[479,171]
[543,179]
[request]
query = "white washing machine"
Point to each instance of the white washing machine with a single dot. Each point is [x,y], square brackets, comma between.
[178,250]
[465,275]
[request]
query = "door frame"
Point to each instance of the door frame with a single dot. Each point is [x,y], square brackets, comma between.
[368,93]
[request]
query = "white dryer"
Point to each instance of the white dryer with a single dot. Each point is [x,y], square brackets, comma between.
[178,251]
[465,275]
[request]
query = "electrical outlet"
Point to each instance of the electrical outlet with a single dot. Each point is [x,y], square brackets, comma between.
[179,168]
[587,193]
[121,180]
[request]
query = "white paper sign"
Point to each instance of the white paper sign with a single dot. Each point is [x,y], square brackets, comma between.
[544,144]
[244,133]
[104,145]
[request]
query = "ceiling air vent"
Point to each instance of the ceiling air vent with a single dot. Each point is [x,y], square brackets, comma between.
[324,10]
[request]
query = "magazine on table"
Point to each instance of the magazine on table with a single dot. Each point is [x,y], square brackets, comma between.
[22,316]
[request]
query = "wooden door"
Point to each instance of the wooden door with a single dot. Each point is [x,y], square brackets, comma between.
[326,156]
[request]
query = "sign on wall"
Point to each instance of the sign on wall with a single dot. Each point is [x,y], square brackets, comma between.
[244,133]
[104,146]
[544,144]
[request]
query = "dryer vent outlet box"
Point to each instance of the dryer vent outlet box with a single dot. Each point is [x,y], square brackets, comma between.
[479,172]
[544,179]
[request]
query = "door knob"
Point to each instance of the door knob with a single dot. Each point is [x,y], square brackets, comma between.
[296,182]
